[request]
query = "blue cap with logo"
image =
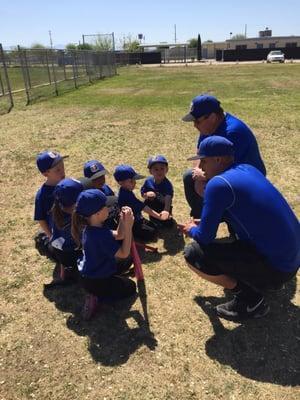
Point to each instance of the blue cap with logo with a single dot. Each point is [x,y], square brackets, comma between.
[123,172]
[92,200]
[202,105]
[48,159]
[157,159]
[214,146]
[67,191]
[93,169]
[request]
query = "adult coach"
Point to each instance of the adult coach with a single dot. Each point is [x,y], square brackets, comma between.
[209,119]
[267,252]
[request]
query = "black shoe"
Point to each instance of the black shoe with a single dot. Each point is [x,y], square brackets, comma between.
[232,292]
[238,308]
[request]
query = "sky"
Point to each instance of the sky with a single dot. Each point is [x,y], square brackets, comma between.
[24,22]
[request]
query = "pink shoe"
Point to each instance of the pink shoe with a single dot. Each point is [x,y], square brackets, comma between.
[90,307]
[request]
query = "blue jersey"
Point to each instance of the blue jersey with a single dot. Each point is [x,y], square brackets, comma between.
[44,200]
[127,198]
[107,190]
[163,188]
[257,212]
[61,238]
[245,145]
[99,249]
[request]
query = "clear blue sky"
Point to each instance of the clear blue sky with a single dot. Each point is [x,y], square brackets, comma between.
[28,21]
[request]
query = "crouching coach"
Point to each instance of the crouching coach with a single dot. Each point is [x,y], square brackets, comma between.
[267,252]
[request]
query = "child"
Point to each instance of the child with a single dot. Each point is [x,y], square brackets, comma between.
[98,267]
[95,172]
[65,248]
[157,190]
[51,166]
[126,177]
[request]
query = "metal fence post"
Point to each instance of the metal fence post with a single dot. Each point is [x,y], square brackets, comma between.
[53,71]
[74,69]
[24,73]
[7,79]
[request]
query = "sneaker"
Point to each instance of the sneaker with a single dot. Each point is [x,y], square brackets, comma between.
[232,292]
[90,307]
[238,308]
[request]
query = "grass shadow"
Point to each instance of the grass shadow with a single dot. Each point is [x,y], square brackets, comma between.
[115,332]
[265,350]
[173,239]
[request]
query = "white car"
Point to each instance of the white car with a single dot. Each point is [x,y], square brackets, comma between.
[275,55]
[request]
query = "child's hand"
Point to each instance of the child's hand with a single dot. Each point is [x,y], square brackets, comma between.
[150,195]
[164,215]
[127,216]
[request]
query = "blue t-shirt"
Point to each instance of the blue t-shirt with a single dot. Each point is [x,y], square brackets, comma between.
[44,200]
[107,190]
[127,198]
[163,188]
[245,145]
[61,238]
[99,249]
[257,212]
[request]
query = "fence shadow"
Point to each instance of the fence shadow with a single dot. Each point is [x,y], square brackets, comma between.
[114,333]
[266,349]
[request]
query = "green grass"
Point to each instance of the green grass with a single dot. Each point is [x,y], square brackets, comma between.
[47,351]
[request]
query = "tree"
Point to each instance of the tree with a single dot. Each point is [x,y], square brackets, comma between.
[71,46]
[199,48]
[37,46]
[103,43]
[238,36]
[192,43]
[130,44]
[85,46]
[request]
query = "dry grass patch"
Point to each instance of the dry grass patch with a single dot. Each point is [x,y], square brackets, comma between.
[48,352]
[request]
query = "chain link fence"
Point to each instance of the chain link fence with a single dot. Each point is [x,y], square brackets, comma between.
[45,72]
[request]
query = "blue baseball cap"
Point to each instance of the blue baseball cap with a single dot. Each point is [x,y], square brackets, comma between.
[157,159]
[214,146]
[202,105]
[123,172]
[93,169]
[67,191]
[48,159]
[92,200]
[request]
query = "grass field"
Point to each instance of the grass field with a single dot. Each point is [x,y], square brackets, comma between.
[47,351]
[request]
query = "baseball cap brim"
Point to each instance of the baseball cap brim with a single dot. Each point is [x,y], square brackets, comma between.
[188,118]
[138,176]
[111,200]
[197,157]
[98,174]
[58,160]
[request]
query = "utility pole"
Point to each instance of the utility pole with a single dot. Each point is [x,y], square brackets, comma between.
[245,30]
[175,33]
[51,44]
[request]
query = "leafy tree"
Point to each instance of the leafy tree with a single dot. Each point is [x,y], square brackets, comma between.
[71,46]
[85,46]
[130,44]
[37,46]
[193,43]
[103,43]
[238,36]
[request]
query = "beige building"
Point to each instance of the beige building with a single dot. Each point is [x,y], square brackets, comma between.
[267,42]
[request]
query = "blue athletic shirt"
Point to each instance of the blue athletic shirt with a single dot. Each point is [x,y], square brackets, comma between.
[44,200]
[61,238]
[245,145]
[99,249]
[127,198]
[163,188]
[107,190]
[257,212]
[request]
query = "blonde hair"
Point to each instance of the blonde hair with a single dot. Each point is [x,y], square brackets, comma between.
[78,224]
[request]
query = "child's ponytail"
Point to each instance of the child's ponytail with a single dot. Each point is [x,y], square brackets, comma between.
[57,214]
[78,224]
